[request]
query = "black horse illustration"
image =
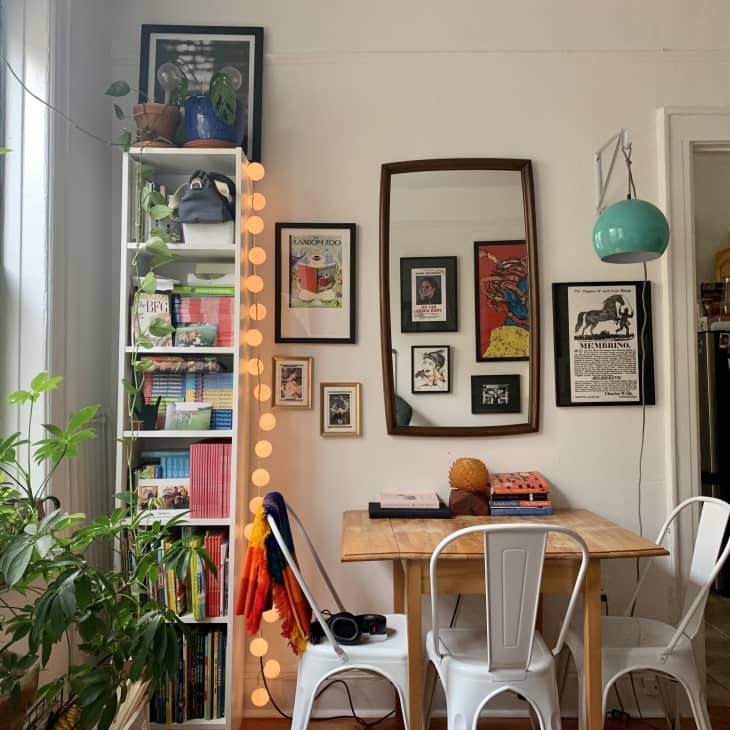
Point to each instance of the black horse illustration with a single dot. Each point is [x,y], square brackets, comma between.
[611,310]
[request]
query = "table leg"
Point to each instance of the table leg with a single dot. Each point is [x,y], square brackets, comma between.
[592,646]
[415,644]
[399,580]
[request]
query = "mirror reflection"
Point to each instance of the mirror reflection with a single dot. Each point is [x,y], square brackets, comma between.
[459,315]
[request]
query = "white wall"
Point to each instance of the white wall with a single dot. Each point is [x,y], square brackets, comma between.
[349,86]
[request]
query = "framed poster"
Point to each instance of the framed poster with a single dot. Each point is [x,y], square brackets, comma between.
[340,409]
[495,393]
[315,282]
[292,382]
[502,300]
[603,343]
[430,369]
[428,294]
[199,51]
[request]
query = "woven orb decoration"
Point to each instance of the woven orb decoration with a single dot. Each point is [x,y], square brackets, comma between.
[469,474]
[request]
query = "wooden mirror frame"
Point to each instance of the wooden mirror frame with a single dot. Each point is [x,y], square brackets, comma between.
[524,167]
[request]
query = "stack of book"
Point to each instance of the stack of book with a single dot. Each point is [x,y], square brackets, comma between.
[519,493]
[409,500]
[197,304]
[215,543]
[210,479]
[197,689]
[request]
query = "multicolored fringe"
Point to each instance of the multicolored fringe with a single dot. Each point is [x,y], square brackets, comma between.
[267,575]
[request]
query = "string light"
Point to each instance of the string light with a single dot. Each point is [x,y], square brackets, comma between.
[263,393]
[253,337]
[260,477]
[257,256]
[259,646]
[255,171]
[254,366]
[247,530]
[254,283]
[255,503]
[259,697]
[272,669]
[254,224]
[271,616]
[257,311]
[267,422]
[263,449]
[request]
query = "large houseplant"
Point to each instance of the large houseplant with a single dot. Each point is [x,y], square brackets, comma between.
[48,589]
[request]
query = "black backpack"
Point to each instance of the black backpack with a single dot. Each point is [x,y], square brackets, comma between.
[202,202]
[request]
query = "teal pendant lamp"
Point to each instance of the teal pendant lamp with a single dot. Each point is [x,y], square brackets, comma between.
[632,230]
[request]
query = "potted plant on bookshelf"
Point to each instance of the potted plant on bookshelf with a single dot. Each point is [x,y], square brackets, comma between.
[49,591]
[211,117]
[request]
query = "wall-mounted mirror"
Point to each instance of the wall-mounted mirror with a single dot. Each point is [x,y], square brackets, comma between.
[459,307]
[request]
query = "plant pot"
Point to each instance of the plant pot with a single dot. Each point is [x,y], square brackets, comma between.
[204,128]
[13,713]
[156,124]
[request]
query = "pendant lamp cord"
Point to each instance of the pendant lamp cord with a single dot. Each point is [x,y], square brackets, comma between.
[631,193]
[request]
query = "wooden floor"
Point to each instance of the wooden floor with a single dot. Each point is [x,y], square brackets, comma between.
[720,718]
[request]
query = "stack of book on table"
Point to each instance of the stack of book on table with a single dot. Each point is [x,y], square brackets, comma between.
[525,493]
[409,500]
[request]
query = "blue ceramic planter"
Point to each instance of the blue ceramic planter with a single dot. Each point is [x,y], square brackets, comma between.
[201,122]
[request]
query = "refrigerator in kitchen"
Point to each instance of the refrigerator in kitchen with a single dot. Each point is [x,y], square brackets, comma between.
[713,351]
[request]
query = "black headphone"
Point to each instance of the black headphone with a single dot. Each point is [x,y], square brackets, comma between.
[347,628]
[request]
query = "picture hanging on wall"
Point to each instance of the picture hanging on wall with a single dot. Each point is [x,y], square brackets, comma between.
[315,282]
[495,393]
[502,300]
[430,369]
[292,382]
[340,409]
[428,294]
[214,74]
[603,343]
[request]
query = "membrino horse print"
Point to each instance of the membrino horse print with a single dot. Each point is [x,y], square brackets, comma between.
[614,311]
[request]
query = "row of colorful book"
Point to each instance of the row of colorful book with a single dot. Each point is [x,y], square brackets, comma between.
[197,480]
[522,493]
[191,387]
[197,690]
[198,304]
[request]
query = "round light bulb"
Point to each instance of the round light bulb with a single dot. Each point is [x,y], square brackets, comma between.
[254,504]
[254,366]
[259,697]
[263,449]
[253,337]
[267,422]
[257,255]
[257,312]
[255,171]
[248,530]
[272,669]
[271,616]
[254,283]
[260,477]
[258,201]
[259,646]
[254,224]
[262,392]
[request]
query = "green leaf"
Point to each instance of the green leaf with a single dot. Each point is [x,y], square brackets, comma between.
[160,328]
[19,396]
[144,365]
[158,212]
[15,571]
[43,382]
[152,198]
[119,112]
[149,283]
[145,169]
[82,417]
[223,97]
[124,140]
[118,88]
[4,150]
[44,544]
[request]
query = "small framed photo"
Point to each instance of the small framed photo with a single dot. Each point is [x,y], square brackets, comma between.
[502,300]
[495,393]
[430,369]
[428,299]
[292,382]
[340,409]
[315,282]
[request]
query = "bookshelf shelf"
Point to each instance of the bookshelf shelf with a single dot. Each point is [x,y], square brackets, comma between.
[203,466]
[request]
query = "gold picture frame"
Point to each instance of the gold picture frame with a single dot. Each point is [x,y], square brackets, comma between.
[292,381]
[340,409]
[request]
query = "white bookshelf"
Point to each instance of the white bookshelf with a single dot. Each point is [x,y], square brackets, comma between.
[174,166]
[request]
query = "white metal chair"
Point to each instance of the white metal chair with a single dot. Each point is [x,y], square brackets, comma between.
[474,665]
[385,656]
[634,644]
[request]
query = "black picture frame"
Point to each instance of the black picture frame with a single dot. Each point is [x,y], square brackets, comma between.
[600,346]
[316,283]
[430,369]
[435,277]
[495,393]
[206,49]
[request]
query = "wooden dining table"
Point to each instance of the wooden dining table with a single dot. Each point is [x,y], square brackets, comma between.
[408,544]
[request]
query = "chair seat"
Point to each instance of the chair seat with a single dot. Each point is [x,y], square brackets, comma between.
[466,653]
[392,647]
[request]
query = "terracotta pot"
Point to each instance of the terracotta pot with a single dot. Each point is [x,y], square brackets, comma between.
[157,121]
[13,713]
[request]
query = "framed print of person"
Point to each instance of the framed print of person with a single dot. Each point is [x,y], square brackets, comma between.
[428,294]
[340,405]
[430,369]
[292,382]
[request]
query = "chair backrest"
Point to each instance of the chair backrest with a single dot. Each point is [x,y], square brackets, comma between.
[707,560]
[300,578]
[513,562]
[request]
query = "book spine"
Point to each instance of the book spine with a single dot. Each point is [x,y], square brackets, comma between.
[524,511]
